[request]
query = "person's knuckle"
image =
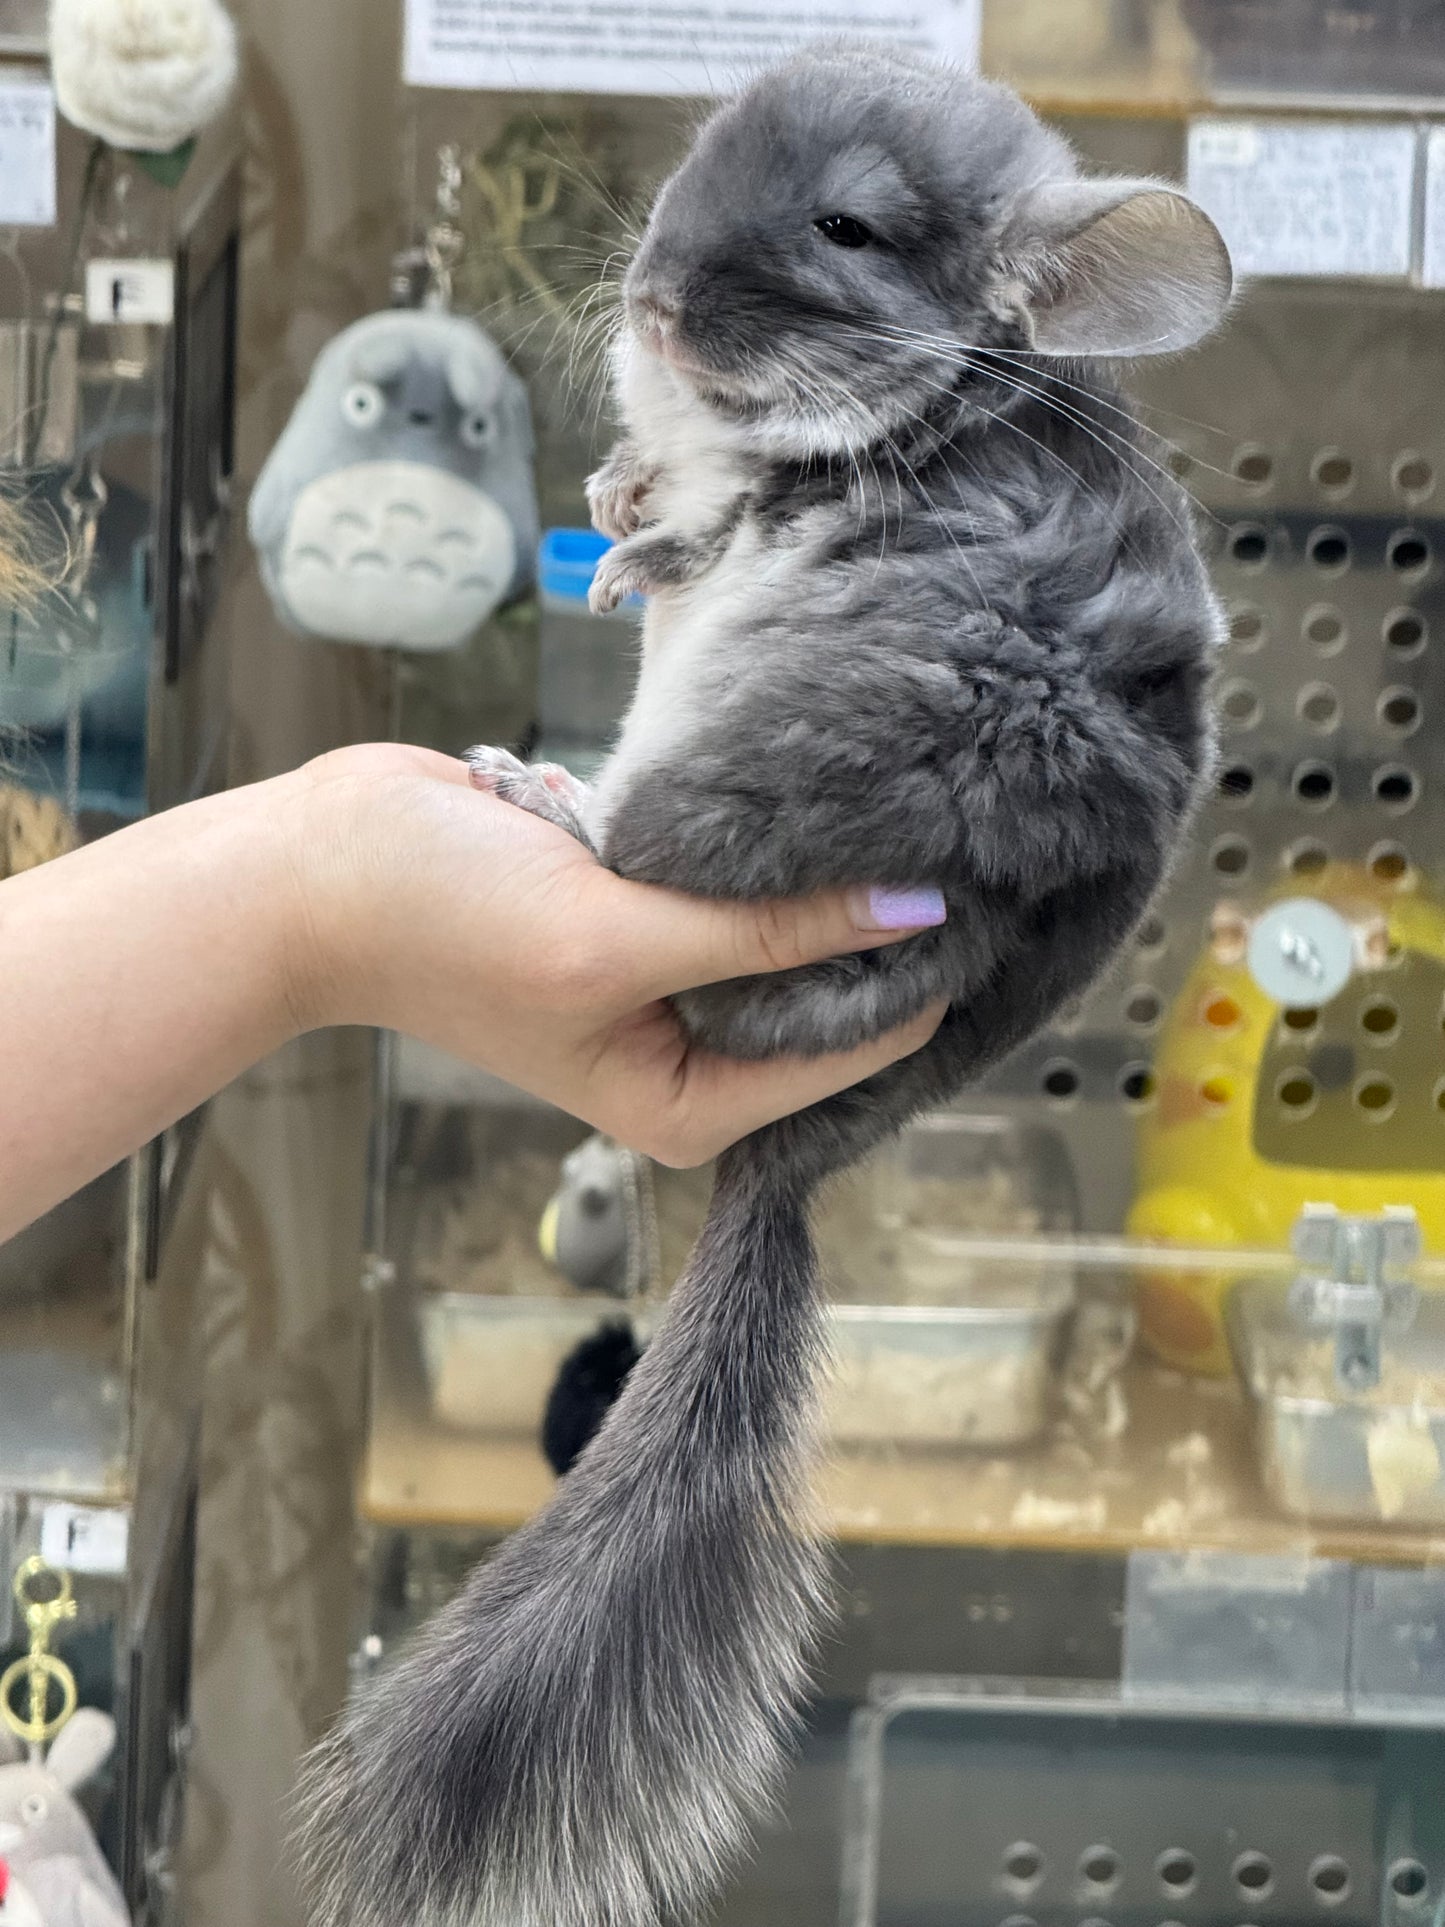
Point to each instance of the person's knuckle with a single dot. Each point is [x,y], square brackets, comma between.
[776,935]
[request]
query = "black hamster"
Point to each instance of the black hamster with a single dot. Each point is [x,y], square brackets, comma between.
[924,610]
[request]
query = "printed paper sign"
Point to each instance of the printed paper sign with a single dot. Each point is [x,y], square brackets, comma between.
[1308,198]
[27,154]
[656,46]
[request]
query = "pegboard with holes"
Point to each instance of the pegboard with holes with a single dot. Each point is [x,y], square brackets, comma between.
[1312,434]
[1073,1810]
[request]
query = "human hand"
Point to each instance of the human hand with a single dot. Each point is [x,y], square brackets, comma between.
[428,907]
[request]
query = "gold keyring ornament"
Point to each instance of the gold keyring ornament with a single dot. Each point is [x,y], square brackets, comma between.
[40,1668]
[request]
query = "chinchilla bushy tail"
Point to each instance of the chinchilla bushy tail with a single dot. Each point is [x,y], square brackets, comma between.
[580,1738]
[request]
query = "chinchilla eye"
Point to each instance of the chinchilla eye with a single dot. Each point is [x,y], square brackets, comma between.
[476,430]
[843,231]
[33,1809]
[362,404]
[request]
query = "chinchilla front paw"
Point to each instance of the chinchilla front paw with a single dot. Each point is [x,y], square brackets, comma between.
[617,493]
[621,573]
[544,789]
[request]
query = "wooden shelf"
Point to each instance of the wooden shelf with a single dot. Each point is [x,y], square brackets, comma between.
[1180,1474]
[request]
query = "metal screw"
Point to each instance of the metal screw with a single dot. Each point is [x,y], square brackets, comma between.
[1299,952]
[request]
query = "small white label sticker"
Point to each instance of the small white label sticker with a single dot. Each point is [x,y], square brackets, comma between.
[1432,252]
[130,291]
[27,154]
[1308,197]
[81,1539]
[654,46]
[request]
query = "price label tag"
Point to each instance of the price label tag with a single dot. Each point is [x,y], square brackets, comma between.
[27,154]
[130,291]
[84,1539]
[1320,198]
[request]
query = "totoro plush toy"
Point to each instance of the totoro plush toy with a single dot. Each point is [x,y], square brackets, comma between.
[398,507]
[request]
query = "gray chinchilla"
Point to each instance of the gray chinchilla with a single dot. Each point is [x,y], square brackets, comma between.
[925,609]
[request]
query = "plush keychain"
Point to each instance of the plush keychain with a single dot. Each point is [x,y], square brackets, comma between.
[398,507]
[58,1876]
[598,1230]
[144,75]
[54,1866]
[591,1229]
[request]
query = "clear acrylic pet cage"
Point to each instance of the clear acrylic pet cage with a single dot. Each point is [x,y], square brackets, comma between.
[1141,1540]
[113,703]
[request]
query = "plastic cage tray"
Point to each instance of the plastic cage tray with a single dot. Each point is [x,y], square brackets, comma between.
[1081,1810]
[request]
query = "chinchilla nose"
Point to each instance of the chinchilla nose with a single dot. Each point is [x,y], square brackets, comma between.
[657,308]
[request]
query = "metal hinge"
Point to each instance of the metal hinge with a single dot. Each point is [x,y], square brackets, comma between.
[1352,1285]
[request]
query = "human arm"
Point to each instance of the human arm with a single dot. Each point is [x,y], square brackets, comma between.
[375,886]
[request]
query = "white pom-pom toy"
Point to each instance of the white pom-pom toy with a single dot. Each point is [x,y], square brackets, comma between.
[142,74]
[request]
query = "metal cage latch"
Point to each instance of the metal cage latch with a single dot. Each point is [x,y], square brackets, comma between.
[1351,1284]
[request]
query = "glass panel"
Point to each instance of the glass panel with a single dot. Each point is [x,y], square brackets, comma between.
[98,725]
[1060,1312]
[64,1347]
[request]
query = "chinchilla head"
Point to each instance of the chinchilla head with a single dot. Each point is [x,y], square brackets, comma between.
[854,229]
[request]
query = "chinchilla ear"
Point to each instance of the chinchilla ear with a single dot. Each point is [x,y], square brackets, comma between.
[1118,267]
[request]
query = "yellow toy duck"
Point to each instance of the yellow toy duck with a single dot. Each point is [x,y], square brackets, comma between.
[1265,1102]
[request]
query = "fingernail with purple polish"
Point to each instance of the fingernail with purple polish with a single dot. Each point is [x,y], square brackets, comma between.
[880,909]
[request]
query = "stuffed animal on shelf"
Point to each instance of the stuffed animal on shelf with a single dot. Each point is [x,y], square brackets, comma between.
[595,1230]
[398,508]
[58,1876]
[590,1228]
[145,75]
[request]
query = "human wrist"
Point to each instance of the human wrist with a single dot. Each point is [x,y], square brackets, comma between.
[347,920]
[300,824]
